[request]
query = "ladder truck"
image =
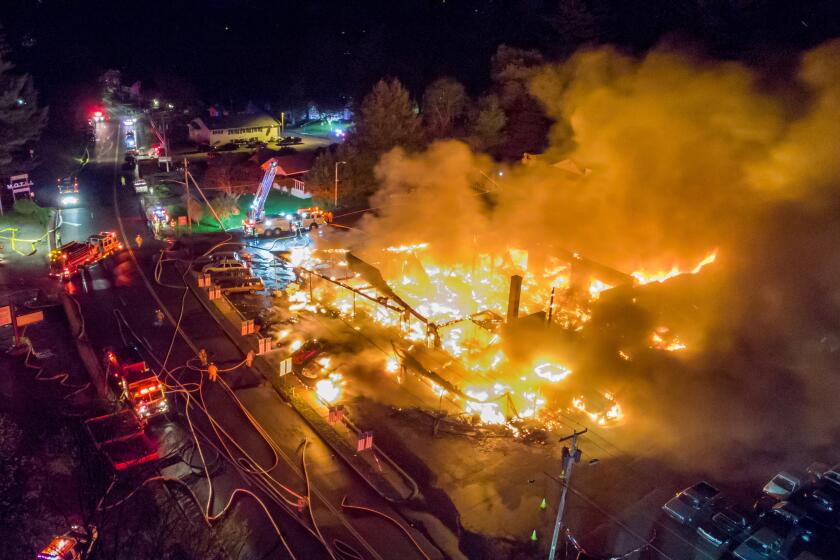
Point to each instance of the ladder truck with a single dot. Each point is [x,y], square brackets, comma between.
[257,223]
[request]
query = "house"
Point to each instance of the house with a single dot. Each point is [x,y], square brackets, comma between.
[227,128]
[291,171]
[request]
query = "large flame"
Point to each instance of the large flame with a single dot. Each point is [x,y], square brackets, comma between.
[646,277]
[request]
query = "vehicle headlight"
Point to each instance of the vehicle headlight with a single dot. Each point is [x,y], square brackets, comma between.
[70,199]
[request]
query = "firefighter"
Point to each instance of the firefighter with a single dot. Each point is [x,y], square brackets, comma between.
[139,240]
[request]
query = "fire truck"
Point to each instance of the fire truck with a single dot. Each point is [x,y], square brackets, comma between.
[70,257]
[312,218]
[75,544]
[138,386]
[258,224]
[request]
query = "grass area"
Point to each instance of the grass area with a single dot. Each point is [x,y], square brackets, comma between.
[27,216]
[322,128]
[276,203]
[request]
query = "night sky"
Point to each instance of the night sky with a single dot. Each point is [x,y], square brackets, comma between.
[287,52]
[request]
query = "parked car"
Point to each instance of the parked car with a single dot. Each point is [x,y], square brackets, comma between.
[307,352]
[692,505]
[764,544]
[249,284]
[223,265]
[228,147]
[726,527]
[784,484]
[821,505]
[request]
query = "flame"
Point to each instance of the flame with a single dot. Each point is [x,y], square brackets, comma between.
[466,301]
[646,277]
[611,414]
[329,390]
[552,372]
[596,287]
[662,339]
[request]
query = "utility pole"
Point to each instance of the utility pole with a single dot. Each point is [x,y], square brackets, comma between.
[335,197]
[187,186]
[570,457]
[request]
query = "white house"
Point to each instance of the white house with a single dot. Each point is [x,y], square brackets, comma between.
[223,129]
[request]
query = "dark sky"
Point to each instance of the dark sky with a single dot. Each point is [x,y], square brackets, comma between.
[287,51]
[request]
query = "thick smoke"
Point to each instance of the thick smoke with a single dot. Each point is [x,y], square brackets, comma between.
[672,156]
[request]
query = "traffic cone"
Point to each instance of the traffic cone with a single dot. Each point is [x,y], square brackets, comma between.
[534,536]
[543,504]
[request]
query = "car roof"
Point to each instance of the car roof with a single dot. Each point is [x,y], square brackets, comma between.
[704,489]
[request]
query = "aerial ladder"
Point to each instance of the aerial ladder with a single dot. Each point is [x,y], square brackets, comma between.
[256,213]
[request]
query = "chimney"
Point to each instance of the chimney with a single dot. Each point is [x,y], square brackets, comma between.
[513,298]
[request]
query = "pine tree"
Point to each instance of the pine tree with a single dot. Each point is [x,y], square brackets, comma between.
[386,118]
[21,119]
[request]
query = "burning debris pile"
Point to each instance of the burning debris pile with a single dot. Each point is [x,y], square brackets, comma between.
[686,165]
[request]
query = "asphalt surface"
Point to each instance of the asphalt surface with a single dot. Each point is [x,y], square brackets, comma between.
[117,304]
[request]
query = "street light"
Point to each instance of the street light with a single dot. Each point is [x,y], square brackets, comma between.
[335,197]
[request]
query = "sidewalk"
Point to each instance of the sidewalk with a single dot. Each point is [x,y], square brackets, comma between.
[384,476]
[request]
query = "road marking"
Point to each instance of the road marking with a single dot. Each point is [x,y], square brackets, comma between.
[71,224]
[122,301]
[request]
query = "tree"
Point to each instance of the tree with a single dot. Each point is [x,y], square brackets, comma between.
[21,120]
[226,205]
[443,106]
[527,125]
[386,118]
[487,123]
[195,209]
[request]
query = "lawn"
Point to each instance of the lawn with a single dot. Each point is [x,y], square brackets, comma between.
[276,203]
[322,128]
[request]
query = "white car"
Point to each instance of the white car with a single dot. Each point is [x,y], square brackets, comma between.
[783,485]
[223,265]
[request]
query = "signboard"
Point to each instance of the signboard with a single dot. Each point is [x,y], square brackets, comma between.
[165,159]
[29,318]
[5,315]
[19,183]
[286,366]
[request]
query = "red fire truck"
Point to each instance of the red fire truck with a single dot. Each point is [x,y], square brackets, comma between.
[75,544]
[70,257]
[138,386]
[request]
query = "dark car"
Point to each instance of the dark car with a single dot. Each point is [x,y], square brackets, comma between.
[692,505]
[726,527]
[229,147]
[820,505]
[286,151]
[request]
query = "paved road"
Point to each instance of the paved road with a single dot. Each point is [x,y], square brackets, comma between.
[120,286]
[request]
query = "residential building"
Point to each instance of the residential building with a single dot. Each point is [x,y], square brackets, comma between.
[229,128]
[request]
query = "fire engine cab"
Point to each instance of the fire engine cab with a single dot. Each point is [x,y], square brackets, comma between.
[138,386]
[70,257]
[312,218]
[104,244]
